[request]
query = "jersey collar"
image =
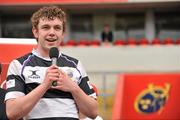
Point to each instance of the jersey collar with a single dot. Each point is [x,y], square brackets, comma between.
[34,52]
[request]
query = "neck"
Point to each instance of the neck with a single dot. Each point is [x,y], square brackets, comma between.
[43,53]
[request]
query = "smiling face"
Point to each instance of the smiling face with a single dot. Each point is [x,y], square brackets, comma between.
[49,33]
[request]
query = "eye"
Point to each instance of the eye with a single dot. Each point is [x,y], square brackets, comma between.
[45,27]
[58,28]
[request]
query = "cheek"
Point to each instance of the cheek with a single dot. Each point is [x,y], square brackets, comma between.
[61,35]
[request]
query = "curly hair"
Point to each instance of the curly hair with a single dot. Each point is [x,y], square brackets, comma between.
[50,13]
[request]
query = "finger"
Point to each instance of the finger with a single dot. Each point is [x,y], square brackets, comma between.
[61,71]
[58,85]
[51,74]
[52,67]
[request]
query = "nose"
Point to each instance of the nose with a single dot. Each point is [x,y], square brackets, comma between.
[51,32]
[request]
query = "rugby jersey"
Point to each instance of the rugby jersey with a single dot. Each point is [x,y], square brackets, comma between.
[27,72]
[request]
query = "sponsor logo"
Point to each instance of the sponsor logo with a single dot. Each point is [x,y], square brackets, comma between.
[152,99]
[10,83]
[34,74]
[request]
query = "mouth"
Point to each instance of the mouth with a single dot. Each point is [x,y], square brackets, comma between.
[51,40]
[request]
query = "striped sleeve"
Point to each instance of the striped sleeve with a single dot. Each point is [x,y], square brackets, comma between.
[85,83]
[14,83]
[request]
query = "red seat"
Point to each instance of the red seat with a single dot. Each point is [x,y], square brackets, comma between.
[131,41]
[177,41]
[71,43]
[119,42]
[143,41]
[94,43]
[168,41]
[156,41]
[83,42]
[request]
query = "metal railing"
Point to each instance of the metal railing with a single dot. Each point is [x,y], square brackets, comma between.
[104,85]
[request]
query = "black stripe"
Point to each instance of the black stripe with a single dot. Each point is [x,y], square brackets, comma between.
[37,61]
[19,83]
[63,62]
[70,58]
[85,87]
[51,93]
[23,58]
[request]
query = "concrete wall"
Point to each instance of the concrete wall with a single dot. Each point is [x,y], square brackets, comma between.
[128,58]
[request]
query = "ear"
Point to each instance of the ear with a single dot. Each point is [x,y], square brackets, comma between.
[35,32]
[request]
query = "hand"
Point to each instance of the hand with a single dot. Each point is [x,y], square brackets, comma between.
[65,83]
[52,74]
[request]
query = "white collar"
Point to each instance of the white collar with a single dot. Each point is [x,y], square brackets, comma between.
[35,52]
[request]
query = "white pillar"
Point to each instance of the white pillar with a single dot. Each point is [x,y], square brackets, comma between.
[150,30]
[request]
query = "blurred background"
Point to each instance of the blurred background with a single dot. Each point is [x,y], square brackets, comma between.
[146,40]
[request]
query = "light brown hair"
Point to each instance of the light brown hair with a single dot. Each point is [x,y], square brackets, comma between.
[50,13]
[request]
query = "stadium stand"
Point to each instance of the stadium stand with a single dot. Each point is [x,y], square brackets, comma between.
[132,42]
[143,41]
[156,41]
[119,42]
[83,42]
[168,41]
[71,42]
[94,43]
[177,41]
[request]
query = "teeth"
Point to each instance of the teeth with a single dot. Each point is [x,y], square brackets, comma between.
[51,40]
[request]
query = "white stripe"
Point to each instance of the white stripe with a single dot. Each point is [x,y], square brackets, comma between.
[13,94]
[93,95]
[81,68]
[54,107]
[14,67]
[41,71]
[18,41]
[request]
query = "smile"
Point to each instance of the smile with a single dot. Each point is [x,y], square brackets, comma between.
[51,40]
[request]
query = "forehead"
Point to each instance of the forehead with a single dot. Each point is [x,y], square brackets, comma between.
[46,21]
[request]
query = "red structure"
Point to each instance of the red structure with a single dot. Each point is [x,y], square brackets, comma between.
[147,96]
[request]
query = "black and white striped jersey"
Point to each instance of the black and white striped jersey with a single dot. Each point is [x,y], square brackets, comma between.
[28,71]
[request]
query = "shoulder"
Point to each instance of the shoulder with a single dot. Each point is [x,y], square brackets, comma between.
[24,57]
[69,58]
[19,61]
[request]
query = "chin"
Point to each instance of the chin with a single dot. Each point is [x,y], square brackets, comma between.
[53,46]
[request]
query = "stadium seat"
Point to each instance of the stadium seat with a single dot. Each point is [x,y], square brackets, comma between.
[83,42]
[71,43]
[131,41]
[94,43]
[143,41]
[119,42]
[168,41]
[156,41]
[177,41]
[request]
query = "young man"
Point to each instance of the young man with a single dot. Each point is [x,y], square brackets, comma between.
[30,93]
